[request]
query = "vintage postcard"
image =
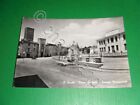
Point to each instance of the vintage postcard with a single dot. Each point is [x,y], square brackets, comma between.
[72,53]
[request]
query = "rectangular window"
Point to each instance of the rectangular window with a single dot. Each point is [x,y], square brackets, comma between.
[124,37]
[116,38]
[113,50]
[125,47]
[112,40]
[108,40]
[117,47]
[108,49]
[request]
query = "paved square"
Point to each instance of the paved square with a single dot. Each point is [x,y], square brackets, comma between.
[55,75]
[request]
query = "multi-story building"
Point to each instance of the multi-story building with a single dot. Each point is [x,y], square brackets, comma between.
[113,45]
[28,48]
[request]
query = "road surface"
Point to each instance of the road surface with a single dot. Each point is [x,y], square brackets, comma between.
[57,76]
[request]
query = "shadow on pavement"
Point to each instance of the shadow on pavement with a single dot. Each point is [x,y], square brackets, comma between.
[29,81]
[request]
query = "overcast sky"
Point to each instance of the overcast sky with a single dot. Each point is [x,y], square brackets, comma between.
[83,31]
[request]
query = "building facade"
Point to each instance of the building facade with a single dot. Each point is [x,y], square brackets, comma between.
[28,49]
[51,50]
[113,45]
[41,42]
[55,50]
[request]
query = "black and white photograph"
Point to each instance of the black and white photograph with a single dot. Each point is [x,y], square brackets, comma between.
[72,53]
